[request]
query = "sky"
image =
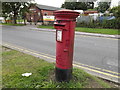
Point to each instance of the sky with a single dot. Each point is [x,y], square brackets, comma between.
[55,3]
[58,3]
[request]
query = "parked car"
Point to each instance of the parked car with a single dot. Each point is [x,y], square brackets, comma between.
[2,20]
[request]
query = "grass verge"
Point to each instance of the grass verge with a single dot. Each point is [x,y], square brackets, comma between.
[44,26]
[15,63]
[10,24]
[98,30]
[91,30]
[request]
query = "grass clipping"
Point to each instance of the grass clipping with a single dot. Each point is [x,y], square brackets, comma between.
[15,63]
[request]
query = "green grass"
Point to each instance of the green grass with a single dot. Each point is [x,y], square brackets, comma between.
[49,27]
[91,30]
[0,66]
[21,20]
[10,24]
[15,63]
[98,30]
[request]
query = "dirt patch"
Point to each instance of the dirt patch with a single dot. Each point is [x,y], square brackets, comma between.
[93,84]
[5,49]
[112,84]
[52,76]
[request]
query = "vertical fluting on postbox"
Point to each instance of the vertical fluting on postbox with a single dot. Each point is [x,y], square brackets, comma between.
[64,25]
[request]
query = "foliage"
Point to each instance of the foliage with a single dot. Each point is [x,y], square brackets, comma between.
[78,5]
[24,10]
[113,24]
[47,26]
[5,10]
[94,9]
[13,9]
[10,24]
[97,30]
[116,11]
[103,6]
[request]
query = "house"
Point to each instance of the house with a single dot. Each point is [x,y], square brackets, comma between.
[40,13]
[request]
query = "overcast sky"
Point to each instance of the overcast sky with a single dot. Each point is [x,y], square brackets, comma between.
[58,3]
[55,3]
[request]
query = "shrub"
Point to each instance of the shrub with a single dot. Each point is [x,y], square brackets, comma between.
[111,24]
[115,24]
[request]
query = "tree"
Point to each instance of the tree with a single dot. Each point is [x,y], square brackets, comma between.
[103,6]
[13,8]
[5,10]
[78,5]
[24,10]
[116,11]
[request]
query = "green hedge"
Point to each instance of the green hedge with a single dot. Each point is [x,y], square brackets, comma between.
[113,24]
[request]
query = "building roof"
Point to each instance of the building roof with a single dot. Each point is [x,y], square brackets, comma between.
[80,11]
[90,12]
[45,7]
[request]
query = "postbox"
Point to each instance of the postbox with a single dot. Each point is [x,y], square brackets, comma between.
[64,25]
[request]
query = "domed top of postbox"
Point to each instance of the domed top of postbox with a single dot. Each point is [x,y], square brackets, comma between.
[66,14]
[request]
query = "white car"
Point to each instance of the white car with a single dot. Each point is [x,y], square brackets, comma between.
[2,20]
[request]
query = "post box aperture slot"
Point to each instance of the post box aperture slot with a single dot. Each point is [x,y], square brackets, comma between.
[59,35]
[60,26]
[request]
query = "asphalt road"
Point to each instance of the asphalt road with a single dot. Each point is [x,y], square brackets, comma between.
[94,51]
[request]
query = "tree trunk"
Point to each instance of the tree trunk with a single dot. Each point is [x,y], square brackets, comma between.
[5,20]
[24,19]
[15,17]
[42,21]
[42,18]
[24,22]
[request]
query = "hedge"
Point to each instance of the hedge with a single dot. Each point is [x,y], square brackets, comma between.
[113,24]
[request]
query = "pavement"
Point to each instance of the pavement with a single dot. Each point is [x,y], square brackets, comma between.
[96,55]
[81,33]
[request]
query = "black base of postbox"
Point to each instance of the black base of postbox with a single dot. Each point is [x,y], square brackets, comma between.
[63,75]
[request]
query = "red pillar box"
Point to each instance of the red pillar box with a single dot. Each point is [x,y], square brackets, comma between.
[64,25]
